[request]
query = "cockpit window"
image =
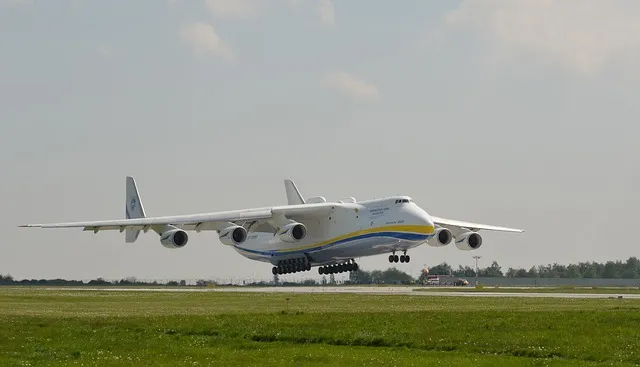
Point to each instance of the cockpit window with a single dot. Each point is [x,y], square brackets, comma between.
[403,201]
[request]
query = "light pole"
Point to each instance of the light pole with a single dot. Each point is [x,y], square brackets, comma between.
[477,257]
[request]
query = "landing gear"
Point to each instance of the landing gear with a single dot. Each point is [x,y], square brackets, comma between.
[402,258]
[291,266]
[350,265]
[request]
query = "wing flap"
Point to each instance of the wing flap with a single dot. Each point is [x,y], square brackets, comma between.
[472,226]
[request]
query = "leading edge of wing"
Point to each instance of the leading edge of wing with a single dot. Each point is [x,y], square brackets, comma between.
[227,216]
[230,216]
[470,225]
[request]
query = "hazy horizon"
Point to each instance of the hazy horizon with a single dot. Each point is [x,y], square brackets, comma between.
[520,114]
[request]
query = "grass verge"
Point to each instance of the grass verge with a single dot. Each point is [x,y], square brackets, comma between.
[564,289]
[56,328]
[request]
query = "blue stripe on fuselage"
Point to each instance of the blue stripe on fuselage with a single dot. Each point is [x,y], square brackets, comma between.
[398,235]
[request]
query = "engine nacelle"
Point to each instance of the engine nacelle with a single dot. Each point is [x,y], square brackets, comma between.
[442,237]
[292,232]
[232,235]
[174,238]
[469,241]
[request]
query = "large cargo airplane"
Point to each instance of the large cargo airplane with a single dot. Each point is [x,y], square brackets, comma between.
[305,233]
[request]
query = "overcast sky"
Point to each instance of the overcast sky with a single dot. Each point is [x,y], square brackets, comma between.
[522,114]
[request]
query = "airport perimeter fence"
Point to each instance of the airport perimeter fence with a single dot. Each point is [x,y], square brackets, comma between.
[553,282]
[443,280]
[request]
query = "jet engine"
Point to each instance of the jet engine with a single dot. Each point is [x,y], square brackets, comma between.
[292,232]
[232,235]
[469,241]
[441,238]
[174,238]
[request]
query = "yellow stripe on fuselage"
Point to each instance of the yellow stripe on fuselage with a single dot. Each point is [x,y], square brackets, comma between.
[397,228]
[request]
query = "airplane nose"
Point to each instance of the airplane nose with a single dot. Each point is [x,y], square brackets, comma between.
[430,221]
[426,219]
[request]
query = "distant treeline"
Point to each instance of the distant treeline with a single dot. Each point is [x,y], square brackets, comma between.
[8,280]
[629,269]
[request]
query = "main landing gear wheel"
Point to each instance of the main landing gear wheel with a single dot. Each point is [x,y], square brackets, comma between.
[291,266]
[350,265]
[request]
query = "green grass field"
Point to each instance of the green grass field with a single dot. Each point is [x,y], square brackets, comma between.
[598,290]
[97,328]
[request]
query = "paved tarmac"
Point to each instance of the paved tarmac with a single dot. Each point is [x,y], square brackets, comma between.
[362,290]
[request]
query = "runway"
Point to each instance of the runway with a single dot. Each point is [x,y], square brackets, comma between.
[362,290]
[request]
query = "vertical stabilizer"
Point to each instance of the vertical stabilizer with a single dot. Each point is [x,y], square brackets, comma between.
[133,209]
[293,195]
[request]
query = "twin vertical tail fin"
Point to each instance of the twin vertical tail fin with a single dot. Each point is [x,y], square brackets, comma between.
[293,195]
[133,209]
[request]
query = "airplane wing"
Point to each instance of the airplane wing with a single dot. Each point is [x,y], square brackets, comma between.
[197,222]
[460,226]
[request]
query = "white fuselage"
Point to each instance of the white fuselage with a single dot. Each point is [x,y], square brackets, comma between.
[352,230]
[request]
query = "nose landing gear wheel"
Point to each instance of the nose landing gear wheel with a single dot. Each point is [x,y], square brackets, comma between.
[402,258]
